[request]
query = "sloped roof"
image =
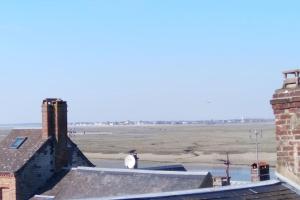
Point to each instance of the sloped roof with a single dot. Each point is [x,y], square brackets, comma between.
[79,153]
[167,168]
[87,182]
[11,160]
[267,190]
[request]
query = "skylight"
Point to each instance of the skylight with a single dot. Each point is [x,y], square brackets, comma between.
[17,143]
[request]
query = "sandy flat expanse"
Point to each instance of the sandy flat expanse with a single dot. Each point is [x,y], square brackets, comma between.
[178,143]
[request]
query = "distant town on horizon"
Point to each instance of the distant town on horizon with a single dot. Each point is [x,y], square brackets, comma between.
[155,122]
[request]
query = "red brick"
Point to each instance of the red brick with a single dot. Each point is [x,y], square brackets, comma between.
[286,137]
[296,132]
[282,153]
[292,142]
[297,137]
[280,122]
[295,99]
[279,148]
[280,95]
[288,148]
[286,127]
[293,110]
[282,133]
[297,93]
[278,111]
[285,116]
[285,104]
[296,104]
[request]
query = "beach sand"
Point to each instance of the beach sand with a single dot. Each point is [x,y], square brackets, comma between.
[179,143]
[193,144]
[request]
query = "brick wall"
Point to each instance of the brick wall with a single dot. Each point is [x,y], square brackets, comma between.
[47,119]
[286,107]
[8,186]
[55,124]
[61,134]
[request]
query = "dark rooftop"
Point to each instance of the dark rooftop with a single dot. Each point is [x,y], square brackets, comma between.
[268,190]
[12,159]
[86,182]
[167,168]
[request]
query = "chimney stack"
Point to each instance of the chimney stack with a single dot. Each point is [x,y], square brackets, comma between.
[286,107]
[55,125]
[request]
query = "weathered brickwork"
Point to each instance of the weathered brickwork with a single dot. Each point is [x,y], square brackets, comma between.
[286,107]
[8,186]
[55,124]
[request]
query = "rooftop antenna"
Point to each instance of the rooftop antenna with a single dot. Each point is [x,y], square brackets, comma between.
[256,133]
[227,163]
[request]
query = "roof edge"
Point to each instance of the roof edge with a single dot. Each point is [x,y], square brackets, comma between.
[44,196]
[141,171]
[188,192]
[288,181]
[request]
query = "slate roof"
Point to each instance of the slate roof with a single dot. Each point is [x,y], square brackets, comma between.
[267,190]
[87,182]
[79,153]
[11,160]
[167,168]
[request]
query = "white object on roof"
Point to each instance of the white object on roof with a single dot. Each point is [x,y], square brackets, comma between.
[130,162]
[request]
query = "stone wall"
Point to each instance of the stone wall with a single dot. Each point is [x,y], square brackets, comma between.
[41,167]
[77,157]
[36,172]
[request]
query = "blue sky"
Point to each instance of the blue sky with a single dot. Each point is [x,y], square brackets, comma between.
[148,60]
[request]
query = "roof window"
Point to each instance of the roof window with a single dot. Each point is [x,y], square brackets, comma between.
[17,142]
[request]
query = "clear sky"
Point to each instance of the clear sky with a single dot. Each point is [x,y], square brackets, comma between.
[148,60]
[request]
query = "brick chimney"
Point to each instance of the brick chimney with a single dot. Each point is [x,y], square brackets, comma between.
[55,125]
[286,107]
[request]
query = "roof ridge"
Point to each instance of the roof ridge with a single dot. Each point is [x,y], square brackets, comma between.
[141,171]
